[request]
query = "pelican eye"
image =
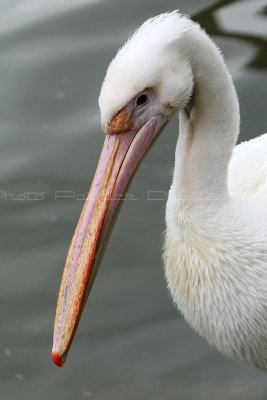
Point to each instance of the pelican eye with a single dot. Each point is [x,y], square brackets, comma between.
[141,100]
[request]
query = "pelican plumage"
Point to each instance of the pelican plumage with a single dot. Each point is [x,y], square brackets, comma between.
[215,250]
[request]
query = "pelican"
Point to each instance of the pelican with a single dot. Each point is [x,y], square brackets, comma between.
[215,248]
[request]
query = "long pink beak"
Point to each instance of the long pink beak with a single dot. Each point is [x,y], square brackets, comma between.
[120,156]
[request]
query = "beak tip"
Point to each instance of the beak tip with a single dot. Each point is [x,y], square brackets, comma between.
[58,361]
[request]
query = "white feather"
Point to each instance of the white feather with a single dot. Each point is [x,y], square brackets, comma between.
[248,167]
[130,71]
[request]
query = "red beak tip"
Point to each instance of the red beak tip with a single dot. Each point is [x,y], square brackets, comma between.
[57,359]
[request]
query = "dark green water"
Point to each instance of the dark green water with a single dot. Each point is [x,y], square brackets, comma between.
[132,343]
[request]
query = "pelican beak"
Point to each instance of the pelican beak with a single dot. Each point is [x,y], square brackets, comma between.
[119,159]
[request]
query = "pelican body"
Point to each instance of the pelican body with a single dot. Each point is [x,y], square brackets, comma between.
[215,250]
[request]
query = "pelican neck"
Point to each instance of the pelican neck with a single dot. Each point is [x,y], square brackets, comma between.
[208,134]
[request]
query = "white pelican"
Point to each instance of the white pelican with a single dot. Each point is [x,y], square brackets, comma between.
[215,251]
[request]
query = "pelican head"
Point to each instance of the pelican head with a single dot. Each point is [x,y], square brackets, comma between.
[152,64]
[146,83]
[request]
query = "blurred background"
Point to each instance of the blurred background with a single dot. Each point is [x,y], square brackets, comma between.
[131,343]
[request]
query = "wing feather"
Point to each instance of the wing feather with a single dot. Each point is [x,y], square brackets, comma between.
[247,172]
